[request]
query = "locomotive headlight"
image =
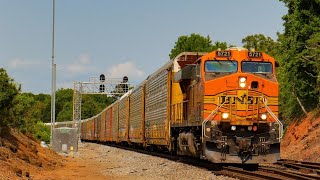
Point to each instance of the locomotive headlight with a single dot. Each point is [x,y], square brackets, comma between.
[242,85]
[242,82]
[233,128]
[263,116]
[225,115]
[249,128]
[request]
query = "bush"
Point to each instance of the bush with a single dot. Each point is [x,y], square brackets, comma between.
[41,132]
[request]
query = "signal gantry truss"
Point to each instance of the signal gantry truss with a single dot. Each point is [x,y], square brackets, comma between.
[112,87]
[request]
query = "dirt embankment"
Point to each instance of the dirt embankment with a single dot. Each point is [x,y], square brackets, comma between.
[20,156]
[302,140]
[23,158]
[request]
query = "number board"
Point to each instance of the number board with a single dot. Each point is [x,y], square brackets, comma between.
[223,53]
[254,54]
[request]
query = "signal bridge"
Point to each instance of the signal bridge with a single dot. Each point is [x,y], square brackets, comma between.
[96,85]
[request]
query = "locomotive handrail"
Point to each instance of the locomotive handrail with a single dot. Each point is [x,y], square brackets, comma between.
[264,100]
[209,117]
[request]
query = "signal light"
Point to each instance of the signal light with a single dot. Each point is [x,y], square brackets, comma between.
[125,79]
[102,78]
[102,88]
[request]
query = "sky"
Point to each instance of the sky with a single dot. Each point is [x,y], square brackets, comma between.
[117,37]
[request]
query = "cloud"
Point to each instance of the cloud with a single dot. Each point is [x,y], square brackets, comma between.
[81,64]
[19,63]
[126,69]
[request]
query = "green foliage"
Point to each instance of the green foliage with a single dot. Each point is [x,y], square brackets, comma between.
[66,112]
[24,111]
[91,105]
[8,91]
[94,104]
[195,43]
[41,131]
[28,112]
[261,43]
[299,57]
[64,99]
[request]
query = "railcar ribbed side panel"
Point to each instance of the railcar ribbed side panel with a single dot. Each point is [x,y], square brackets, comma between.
[103,126]
[156,108]
[108,131]
[83,130]
[96,127]
[90,129]
[122,119]
[136,116]
[115,114]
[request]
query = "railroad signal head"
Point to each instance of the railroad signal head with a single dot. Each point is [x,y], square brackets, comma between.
[125,79]
[102,78]
[102,88]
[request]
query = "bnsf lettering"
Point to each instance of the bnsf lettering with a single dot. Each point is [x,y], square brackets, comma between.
[242,100]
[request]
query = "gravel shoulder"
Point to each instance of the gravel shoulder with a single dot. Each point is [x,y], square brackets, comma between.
[95,161]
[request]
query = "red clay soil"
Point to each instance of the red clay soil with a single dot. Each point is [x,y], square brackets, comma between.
[22,157]
[302,140]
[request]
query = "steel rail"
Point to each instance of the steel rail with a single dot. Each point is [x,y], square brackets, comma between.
[301,165]
[244,174]
[304,163]
[289,174]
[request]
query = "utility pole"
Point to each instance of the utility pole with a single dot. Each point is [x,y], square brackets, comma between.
[53,79]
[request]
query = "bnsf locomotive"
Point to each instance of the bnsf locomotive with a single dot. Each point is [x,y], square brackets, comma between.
[220,106]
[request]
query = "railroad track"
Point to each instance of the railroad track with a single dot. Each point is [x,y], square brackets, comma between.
[265,173]
[283,169]
[301,166]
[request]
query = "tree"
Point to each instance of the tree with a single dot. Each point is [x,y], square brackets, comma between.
[8,92]
[64,99]
[261,43]
[89,108]
[299,57]
[44,101]
[195,43]
[66,113]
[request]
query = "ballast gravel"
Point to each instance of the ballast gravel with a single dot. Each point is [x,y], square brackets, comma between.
[118,163]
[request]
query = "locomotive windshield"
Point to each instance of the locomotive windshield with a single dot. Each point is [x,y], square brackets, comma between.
[221,66]
[257,67]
